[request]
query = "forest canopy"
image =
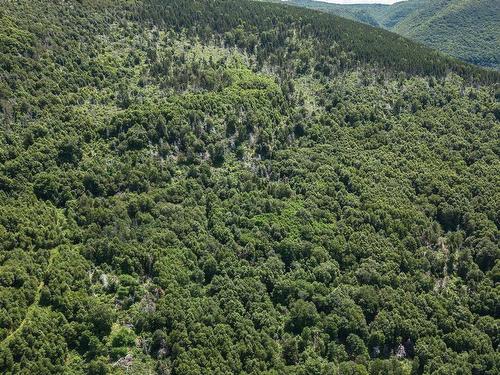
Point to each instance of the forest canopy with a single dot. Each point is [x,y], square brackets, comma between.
[229,187]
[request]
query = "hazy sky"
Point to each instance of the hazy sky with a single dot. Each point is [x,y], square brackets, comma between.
[361,1]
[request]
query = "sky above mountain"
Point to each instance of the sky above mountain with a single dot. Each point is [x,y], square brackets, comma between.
[361,1]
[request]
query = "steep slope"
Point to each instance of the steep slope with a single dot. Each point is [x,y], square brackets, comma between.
[228,187]
[467,29]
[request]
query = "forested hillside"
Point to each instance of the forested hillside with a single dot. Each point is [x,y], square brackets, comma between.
[231,187]
[467,29]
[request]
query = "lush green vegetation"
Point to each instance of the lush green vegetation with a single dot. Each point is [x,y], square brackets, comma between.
[216,187]
[467,29]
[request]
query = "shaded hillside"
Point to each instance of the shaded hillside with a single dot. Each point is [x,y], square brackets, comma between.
[227,187]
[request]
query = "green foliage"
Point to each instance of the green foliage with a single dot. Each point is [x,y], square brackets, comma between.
[217,187]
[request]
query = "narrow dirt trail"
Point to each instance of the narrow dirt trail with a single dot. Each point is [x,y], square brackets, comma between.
[34,305]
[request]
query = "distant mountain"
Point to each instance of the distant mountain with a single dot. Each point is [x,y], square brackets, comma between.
[467,29]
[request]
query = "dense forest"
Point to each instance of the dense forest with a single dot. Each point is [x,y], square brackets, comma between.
[467,29]
[231,187]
